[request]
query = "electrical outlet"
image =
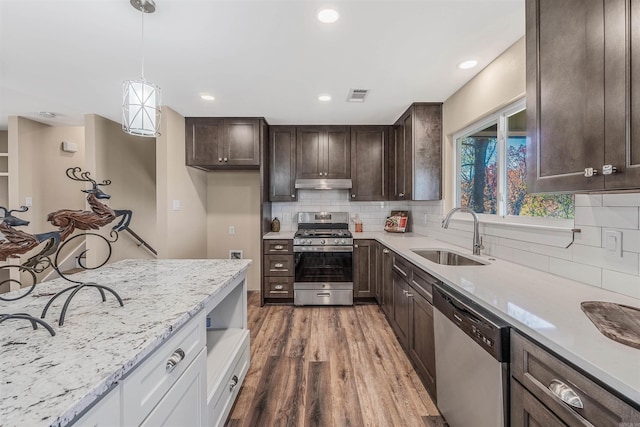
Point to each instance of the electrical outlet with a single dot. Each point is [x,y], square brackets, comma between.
[232,229]
[28,201]
[613,242]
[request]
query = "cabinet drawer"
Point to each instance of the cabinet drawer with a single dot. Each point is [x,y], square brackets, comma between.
[227,390]
[279,287]
[278,265]
[402,266]
[149,382]
[105,413]
[526,410]
[423,283]
[539,371]
[272,247]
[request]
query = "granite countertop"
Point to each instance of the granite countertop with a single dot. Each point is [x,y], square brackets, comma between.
[47,381]
[543,306]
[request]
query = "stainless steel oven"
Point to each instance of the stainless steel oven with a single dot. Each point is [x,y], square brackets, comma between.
[323,258]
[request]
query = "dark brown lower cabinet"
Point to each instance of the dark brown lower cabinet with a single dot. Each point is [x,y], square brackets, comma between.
[526,410]
[277,271]
[386,283]
[364,268]
[400,308]
[421,343]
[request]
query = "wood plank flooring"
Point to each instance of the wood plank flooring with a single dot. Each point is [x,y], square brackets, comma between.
[328,366]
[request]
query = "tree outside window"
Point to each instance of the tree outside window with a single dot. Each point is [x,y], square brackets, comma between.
[480,166]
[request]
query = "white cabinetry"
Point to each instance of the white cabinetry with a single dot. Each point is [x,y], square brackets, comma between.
[191,380]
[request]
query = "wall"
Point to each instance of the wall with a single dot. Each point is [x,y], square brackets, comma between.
[4,167]
[130,163]
[541,248]
[180,233]
[233,199]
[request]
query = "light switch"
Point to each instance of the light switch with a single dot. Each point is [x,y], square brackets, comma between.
[613,242]
[176,205]
[28,201]
[232,229]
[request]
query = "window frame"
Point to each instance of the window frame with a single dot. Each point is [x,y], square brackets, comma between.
[500,118]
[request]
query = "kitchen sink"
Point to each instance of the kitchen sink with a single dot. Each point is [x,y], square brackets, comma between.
[445,257]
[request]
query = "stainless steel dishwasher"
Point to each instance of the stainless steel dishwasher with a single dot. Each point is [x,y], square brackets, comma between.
[472,355]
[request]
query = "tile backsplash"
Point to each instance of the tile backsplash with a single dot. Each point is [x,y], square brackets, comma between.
[586,260]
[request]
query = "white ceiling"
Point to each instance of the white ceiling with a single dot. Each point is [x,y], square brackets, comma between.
[258,58]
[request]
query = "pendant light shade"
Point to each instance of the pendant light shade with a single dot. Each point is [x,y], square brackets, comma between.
[141,108]
[141,99]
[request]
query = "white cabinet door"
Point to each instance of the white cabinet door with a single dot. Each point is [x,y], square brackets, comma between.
[105,413]
[185,403]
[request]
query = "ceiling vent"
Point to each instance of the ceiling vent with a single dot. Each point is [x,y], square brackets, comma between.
[357,95]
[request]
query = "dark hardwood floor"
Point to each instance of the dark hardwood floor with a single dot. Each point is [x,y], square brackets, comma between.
[328,366]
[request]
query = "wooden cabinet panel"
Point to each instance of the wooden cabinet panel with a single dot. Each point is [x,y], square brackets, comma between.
[364,268]
[415,154]
[310,152]
[323,152]
[274,247]
[400,308]
[421,346]
[282,164]
[538,370]
[386,288]
[369,159]
[527,411]
[337,152]
[379,272]
[278,287]
[278,265]
[223,143]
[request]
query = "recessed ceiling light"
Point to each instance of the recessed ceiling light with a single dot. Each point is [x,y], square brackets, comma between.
[328,16]
[464,65]
[47,114]
[207,97]
[324,98]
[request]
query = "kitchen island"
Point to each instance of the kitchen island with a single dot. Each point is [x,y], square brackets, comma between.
[53,381]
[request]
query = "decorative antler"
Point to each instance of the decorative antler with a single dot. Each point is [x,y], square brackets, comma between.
[22,209]
[76,174]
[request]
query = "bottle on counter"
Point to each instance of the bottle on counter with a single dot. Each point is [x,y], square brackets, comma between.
[275,225]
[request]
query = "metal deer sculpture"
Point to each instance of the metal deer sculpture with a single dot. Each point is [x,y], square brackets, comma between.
[18,242]
[100,215]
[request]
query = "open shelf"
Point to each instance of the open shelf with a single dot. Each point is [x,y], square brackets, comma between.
[222,345]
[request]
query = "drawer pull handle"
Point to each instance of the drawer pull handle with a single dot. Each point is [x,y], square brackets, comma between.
[279,287]
[233,382]
[278,247]
[385,251]
[566,394]
[278,265]
[278,292]
[323,294]
[175,358]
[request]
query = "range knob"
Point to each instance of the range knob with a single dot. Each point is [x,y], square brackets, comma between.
[308,241]
[336,241]
[322,242]
[343,241]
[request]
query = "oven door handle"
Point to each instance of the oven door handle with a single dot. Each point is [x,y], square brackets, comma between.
[323,249]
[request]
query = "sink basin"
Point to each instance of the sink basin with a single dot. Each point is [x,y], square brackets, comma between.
[444,257]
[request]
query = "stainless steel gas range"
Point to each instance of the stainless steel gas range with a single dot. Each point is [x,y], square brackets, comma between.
[323,257]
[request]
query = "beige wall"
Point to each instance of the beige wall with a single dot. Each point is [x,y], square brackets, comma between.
[130,163]
[499,84]
[234,200]
[4,185]
[181,233]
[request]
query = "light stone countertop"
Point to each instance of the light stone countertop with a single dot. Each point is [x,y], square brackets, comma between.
[543,306]
[47,381]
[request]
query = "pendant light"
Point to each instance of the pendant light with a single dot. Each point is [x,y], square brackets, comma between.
[141,99]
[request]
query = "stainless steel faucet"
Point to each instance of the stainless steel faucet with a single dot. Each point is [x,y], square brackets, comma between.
[477,240]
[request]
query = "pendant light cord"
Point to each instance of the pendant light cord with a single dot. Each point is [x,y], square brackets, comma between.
[142,41]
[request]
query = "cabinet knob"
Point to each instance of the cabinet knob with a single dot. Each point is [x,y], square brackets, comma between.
[355,246]
[233,382]
[293,196]
[175,358]
[353,195]
[589,172]
[401,195]
[385,251]
[226,160]
[219,159]
[609,169]
[320,174]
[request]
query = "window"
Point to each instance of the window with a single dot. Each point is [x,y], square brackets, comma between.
[491,169]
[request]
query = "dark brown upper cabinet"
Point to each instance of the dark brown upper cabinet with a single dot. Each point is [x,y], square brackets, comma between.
[583,84]
[415,154]
[369,148]
[282,164]
[223,143]
[323,152]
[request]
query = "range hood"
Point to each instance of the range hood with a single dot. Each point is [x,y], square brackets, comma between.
[323,184]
